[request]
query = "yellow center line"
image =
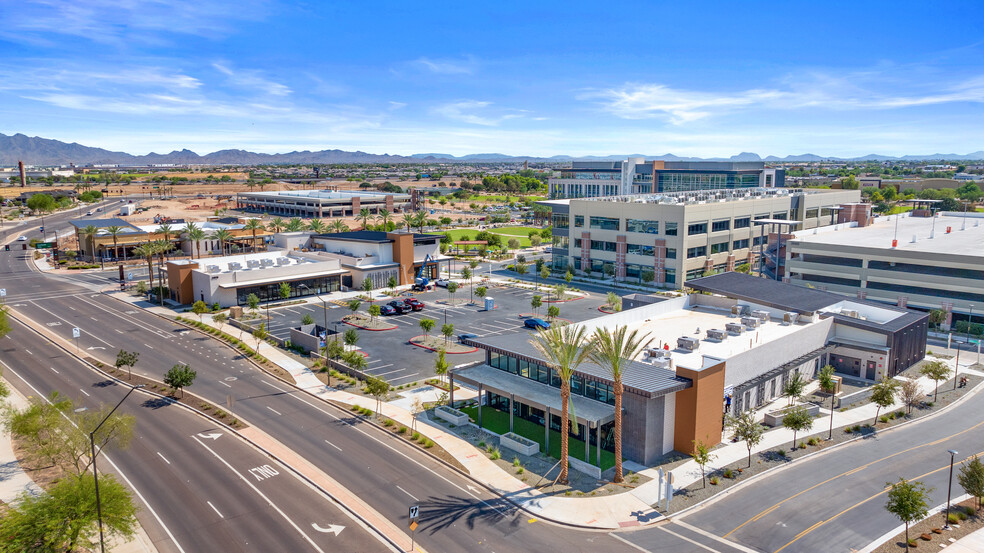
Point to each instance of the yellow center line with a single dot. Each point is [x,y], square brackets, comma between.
[848,473]
[863,501]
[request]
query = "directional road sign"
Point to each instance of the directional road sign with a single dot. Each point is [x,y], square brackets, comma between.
[3,292]
[414,512]
[76,332]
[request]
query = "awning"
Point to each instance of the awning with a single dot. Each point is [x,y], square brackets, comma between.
[534,393]
[291,278]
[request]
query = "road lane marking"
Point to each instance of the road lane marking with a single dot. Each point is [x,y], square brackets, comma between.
[149,346]
[83,391]
[630,544]
[408,493]
[274,410]
[224,384]
[54,369]
[165,458]
[709,535]
[214,509]
[333,445]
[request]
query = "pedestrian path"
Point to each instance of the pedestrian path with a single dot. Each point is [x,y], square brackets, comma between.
[971,543]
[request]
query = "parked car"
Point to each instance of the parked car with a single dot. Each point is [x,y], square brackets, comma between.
[536,324]
[466,336]
[387,310]
[442,282]
[414,303]
[399,306]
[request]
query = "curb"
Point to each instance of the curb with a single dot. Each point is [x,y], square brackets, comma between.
[370,329]
[412,343]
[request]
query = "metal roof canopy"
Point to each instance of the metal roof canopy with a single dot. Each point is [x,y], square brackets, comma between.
[776,222]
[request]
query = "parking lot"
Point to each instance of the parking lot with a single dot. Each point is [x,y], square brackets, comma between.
[393,358]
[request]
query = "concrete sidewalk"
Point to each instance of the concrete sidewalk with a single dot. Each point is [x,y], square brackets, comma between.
[971,543]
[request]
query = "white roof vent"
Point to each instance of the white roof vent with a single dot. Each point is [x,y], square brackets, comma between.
[252,264]
[235,266]
[211,268]
[267,262]
[281,261]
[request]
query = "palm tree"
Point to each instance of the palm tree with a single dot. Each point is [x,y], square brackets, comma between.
[338,226]
[408,220]
[564,348]
[277,224]
[196,235]
[294,225]
[316,226]
[384,216]
[147,250]
[115,231]
[365,215]
[89,232]
[420,219]
[254,225]
[615,351]
[167,230]
[161,247]
[223,236]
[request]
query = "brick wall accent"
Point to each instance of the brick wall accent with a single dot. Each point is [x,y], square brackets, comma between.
[659,261]
[586,251]
[389,202]
[699,408]
[356,205]
[903,301]
[620,248]
[731,262]
[862,294]
[860,213]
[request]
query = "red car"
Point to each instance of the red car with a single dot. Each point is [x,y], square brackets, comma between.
[414,304]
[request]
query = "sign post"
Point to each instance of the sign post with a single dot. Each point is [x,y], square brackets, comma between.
[76,332]
[3,295]
[414,513]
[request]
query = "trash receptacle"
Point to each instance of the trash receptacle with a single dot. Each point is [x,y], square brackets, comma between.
[489,303]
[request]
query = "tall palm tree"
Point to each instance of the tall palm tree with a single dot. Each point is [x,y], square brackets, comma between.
[294,225]
[564,348]
[89,232]
[147,250]
[162,247]
[384,216]
[615,351]
[408,220]
[316,226]
[196,235]
[277,224]
[254,225]
[223,236]
[365,215]
[115,231]
[167,230]
[338,226]
[419,220]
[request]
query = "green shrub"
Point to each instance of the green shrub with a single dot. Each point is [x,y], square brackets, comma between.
[428,444]
[961,514]
[402,430]
[728,473]
[812,441]
[415,436]
[494,454]
[481,444]
[856,428]
[802,445]
[520,470]
[713,480]
[388,422]
[883,419]
[516,462]
[953,518]
[781,452]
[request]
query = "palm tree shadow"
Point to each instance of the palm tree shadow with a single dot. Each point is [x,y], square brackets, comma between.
[438,513]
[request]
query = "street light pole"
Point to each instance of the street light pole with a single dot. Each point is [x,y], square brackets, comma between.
[949,488]
[95,474]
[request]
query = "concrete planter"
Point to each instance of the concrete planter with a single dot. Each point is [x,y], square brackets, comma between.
[774,418]
[586,468]
[519,444]
[450,415]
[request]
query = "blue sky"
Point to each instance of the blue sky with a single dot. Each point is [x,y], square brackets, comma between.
[522,78]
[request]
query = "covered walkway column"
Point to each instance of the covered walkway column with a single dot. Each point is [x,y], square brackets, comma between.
[479,405]
[598,444]
[546,431]
[587,441]
[512,401]
[451,388]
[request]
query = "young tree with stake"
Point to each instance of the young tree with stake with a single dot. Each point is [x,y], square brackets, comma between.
[747,429]
[907,501]
[127,359]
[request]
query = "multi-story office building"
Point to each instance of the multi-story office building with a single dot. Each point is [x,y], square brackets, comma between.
[683,235]
[920,262]
[321,203]
[593,179]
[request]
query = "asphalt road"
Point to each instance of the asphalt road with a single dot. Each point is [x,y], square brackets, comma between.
[200,488]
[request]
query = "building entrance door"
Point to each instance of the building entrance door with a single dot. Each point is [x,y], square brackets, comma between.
[870,371]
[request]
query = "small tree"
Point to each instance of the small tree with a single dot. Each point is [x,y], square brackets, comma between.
[127,359]
[513,244]
[466,273]
[259,334]
[447,330]
[883,395]
[374,312]
[553,312]
[907,501]
[441,364]
[427,325]
[559,291]
[334,349]
[535,241]
[614,302]
[971,479]
[544,271]
[253,301]
[378,388]
[702,456]
[793,388]
[392,283]
[568,277]
[481,291]
[180,377]
[521,268]
[827,384]
[351,337]
[452,288]
[797,419]
[535,303]
[937,371]
[910,394]
[284,290]
[199,308]
[416,408]
[307,319]
[355,360]
[746,429]
[354,305]
[647,275]
[936,317]
[367,287]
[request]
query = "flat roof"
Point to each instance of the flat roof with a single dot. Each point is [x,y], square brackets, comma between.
[323,194]
[281,278]
[963,239]
[375,236]
[105,223]
[223,262]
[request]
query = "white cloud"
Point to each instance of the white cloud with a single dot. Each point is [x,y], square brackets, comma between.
[475,112]
[447,66]
[252,80]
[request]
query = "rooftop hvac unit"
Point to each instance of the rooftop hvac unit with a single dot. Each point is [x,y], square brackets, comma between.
[761,314]
[789,317]
[716,334]
[266,262]
[211,268]
[252,264]
[688,343]
[235,266]
[283,261]
[739,310]
[661,362]
[734,328]
[850,313]
[751,322]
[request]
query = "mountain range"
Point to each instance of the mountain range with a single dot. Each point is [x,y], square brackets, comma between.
[46,151]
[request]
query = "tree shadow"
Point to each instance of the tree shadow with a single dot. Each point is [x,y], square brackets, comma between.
[104,383]
[438,513]
[157,403]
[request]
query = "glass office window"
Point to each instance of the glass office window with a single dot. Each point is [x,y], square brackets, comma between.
[560,220]
[740,244]
[604,223]
[639,249]
[642,225]
[669,276]
[560,241]
[743,222]
[699,251]
[579,220]
[718,226]
[696,228]
[670,229]
[577,242]
[670,253]
[813,213]
[780,215]
[720,247]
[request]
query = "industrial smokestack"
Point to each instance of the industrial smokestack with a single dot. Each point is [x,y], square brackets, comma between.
[23,176]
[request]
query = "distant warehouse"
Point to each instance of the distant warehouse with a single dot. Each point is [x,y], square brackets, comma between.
[321,203]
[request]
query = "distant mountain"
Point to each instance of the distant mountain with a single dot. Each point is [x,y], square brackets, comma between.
[45,151]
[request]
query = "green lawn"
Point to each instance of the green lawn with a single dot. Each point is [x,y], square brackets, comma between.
[498,422]
[494,198]
[519,233]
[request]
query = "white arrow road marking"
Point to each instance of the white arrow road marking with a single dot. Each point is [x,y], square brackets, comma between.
[472,488]
[94,347]
[332,528]
[212,436]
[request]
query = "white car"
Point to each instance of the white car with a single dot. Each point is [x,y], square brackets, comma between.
[442,282]
[24,239]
